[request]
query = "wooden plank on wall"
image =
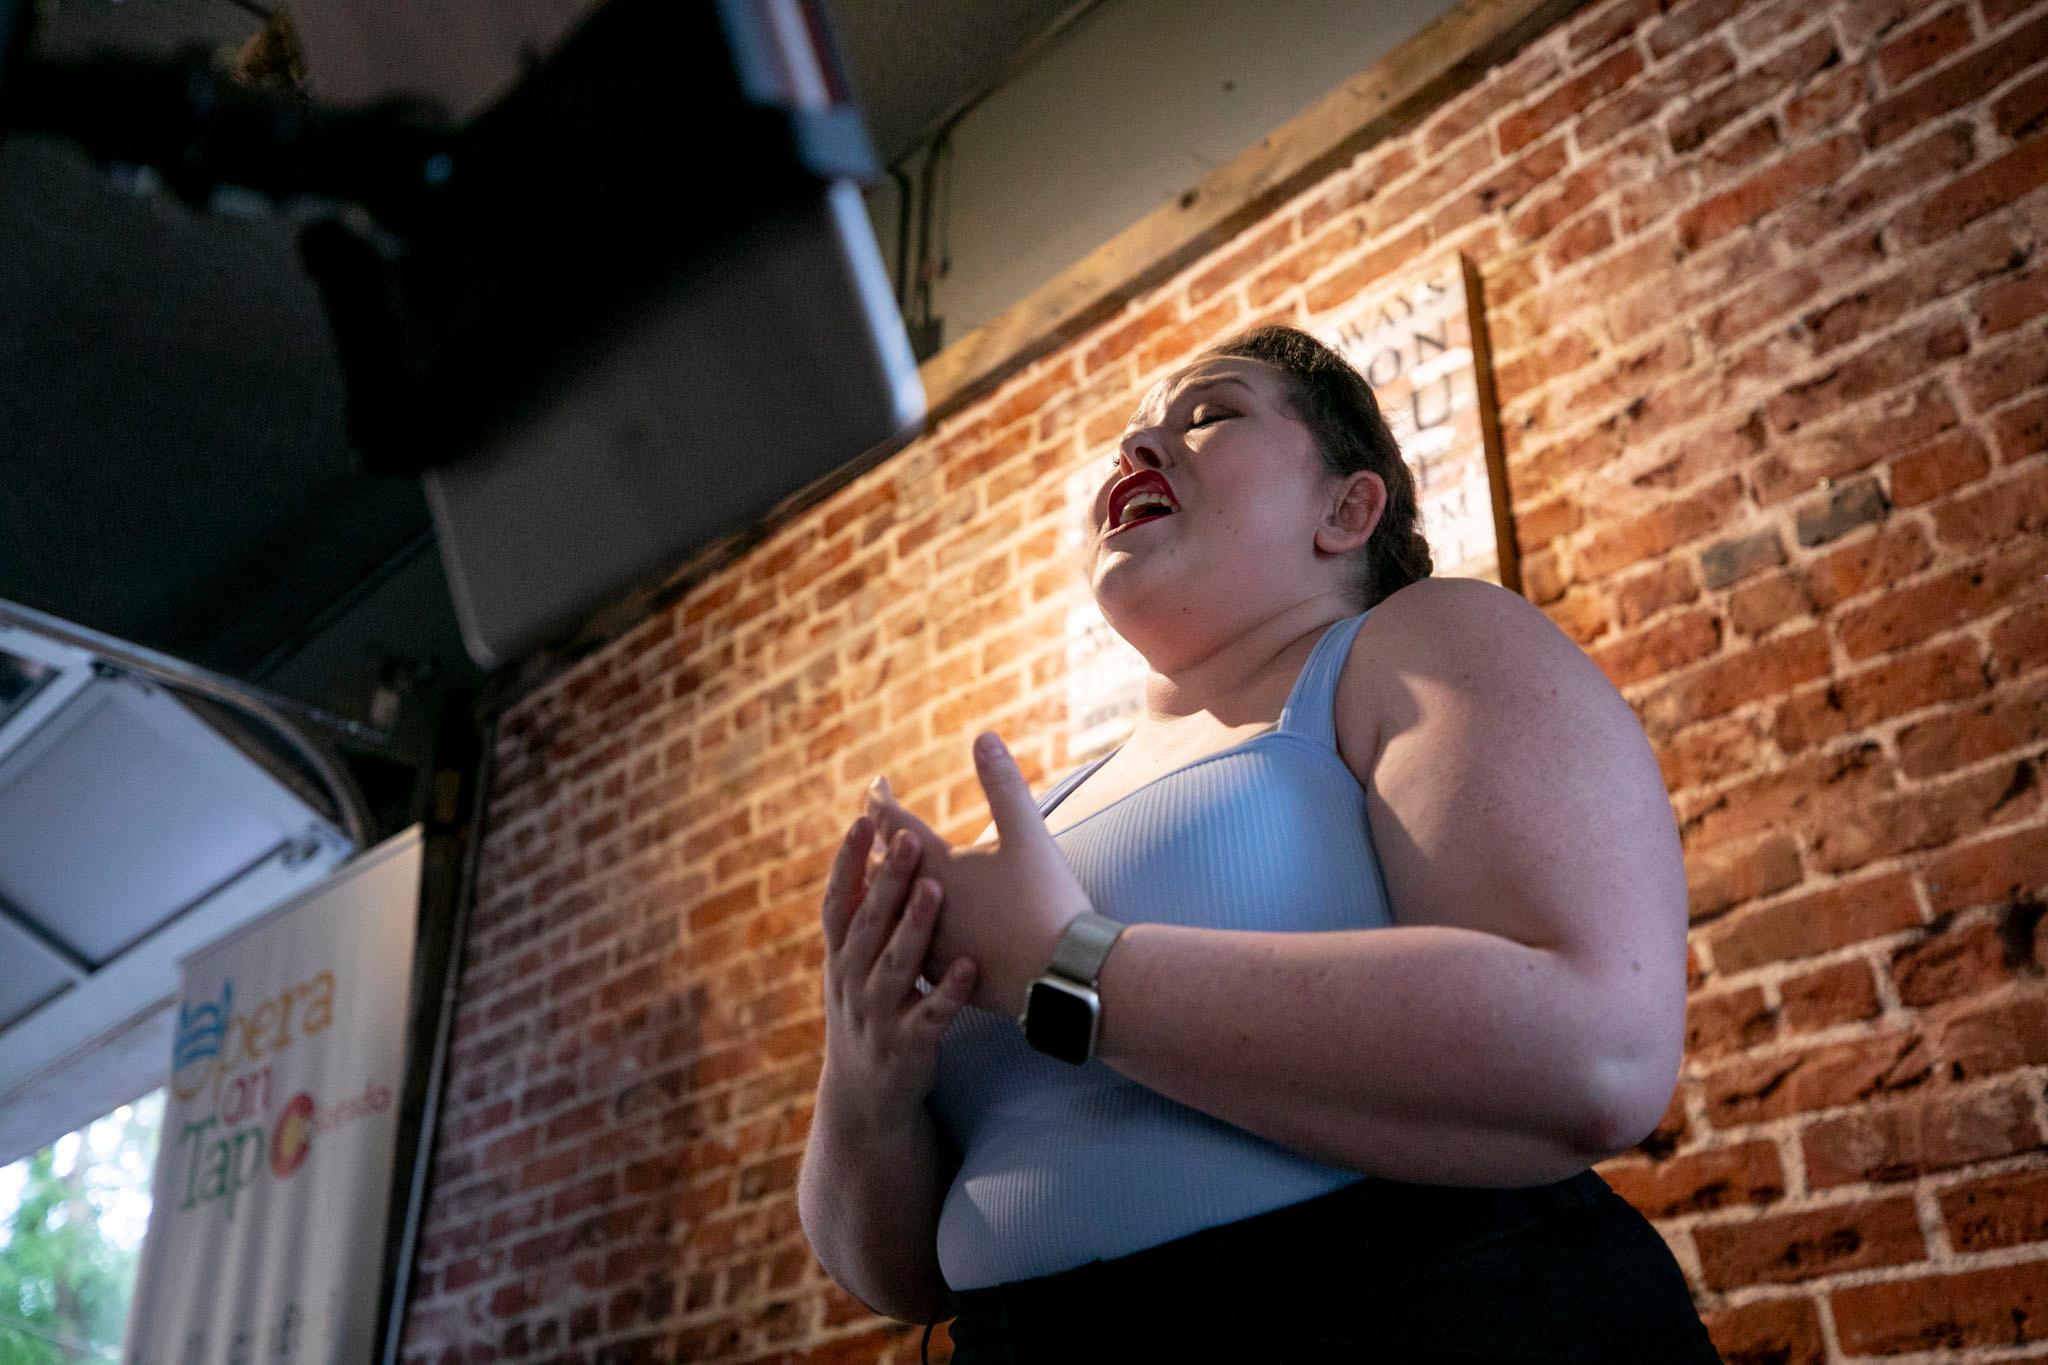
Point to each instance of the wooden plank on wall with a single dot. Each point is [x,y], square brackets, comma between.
[1414,78]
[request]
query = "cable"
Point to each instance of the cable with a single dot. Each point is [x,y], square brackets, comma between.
[352,812]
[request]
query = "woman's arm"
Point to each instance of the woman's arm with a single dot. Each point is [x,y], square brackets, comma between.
[1526,1015]
[1431,1055]
[873,1175]
[868,1195]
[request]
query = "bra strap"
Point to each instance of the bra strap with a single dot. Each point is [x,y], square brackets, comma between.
[1069,782]
[1311,709]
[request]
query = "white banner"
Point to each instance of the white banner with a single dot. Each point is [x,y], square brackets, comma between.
[273,1175]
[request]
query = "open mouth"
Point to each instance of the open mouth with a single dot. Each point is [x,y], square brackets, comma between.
[1143,496]
[1141,512]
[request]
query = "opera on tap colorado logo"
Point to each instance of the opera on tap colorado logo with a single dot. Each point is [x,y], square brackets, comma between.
[223,1067]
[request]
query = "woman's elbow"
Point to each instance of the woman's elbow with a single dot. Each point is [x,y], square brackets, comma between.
[1631,1093]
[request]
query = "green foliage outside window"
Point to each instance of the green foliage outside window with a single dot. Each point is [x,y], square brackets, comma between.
[71,1223]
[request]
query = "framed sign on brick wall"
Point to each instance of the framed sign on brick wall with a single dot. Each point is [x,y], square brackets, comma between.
[1420,341]
[1105,682]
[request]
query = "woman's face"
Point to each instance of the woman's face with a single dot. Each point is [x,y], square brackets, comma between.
[1249,489]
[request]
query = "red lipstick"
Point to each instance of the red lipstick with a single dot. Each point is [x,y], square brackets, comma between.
[1129,486]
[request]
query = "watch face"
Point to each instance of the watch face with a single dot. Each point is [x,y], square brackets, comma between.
[1060,1019]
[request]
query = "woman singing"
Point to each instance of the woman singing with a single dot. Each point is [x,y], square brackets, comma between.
[1290,1029]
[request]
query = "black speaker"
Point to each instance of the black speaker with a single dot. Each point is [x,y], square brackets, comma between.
[627,309]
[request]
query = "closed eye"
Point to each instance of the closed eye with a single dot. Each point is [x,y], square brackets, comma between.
[1210,418]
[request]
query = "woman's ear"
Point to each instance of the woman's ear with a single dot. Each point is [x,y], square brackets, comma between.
[1355,508]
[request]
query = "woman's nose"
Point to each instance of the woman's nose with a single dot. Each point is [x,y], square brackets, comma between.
[1142,450]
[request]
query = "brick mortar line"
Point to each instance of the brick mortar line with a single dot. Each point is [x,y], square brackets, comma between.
[1796,1124]
[1872,951]
[1913,863]
[1884,733]
[1819,1288]
[1931,1186]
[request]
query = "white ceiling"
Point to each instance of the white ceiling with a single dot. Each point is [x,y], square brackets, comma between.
[131,833]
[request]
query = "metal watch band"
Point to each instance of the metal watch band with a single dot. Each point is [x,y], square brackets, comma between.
[1084,946]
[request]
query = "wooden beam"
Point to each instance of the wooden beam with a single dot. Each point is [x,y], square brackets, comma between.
[1416,77]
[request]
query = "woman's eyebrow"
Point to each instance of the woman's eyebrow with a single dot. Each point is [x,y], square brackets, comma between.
[1197,387]
[1201,384]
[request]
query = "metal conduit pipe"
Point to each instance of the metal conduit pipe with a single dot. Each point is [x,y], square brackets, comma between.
[275,713]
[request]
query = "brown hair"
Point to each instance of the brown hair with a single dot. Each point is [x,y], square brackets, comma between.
[1336,404]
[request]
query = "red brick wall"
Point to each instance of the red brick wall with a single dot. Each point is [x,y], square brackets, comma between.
[1771,328]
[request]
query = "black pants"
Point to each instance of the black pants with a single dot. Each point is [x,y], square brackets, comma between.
[1377,1271]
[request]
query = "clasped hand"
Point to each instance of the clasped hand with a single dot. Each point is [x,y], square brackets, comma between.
[983,921]
[1004,902]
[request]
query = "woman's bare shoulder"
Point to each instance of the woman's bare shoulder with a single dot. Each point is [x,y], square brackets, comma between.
[1437,596]
[1425,627]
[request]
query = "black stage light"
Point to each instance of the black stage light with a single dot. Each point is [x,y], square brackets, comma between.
[628,308]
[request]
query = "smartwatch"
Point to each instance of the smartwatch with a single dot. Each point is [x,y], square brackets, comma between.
[1063,1014]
